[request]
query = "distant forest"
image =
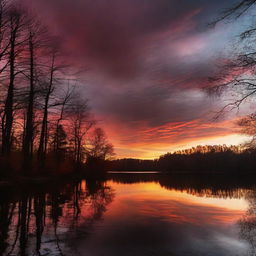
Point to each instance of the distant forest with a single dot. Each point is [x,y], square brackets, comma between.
[201,159]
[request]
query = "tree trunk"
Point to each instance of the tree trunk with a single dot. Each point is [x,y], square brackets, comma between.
[8,108]
[43,137]
[29,129]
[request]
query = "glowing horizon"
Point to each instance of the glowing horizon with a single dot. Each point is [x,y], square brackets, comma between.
[155,152]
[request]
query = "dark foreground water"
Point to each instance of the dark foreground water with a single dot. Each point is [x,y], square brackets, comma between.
[131,214]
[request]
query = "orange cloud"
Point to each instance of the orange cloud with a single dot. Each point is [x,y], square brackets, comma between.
[148,142]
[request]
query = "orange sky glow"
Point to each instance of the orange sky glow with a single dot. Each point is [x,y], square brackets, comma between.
[153,142]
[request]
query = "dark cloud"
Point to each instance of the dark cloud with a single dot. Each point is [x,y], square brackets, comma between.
[114,35]
[148,61]
[156,105]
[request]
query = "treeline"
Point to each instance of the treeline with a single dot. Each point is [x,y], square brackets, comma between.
[42,113]
[201,159]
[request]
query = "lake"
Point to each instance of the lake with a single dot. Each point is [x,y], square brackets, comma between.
[131,214]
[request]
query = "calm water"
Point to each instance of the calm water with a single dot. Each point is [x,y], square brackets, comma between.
[131,214]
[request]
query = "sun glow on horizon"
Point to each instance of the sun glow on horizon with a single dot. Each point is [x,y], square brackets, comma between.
[149,152]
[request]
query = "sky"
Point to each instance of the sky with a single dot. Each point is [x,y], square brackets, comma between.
[146,66]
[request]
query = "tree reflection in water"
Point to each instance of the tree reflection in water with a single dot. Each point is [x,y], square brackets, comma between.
[198,185]
[42,222]
[65,219]
[248,223]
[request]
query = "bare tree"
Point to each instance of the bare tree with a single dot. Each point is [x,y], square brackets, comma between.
[80,124]
[236,11]
[58,131]
[38,108]
[49,90]
[54,84]
[28,145]
[238,74]
[248,127]
[36,40]
[15,26]
[98,145]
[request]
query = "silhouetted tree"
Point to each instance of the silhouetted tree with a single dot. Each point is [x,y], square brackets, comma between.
[15,26]
[58,131]
[80,125]
[54,78]
[49,89]
[37,38]
[248,127]
[98,146]
[39,108]
[238,73]
[60,141]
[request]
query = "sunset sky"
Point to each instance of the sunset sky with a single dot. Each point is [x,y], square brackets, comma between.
[146,63]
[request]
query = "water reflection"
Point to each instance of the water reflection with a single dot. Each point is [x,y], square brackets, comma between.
[248,223]
[203,186]
[38,222]
[131,215]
